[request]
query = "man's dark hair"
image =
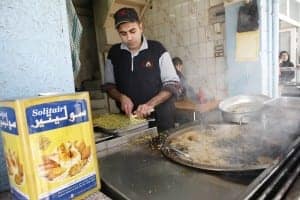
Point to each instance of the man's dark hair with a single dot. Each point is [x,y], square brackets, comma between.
[125,15]
[177,61]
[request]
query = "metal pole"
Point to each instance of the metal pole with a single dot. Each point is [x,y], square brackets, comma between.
[275,42]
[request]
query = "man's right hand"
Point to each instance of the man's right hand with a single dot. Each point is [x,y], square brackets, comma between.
[126,104]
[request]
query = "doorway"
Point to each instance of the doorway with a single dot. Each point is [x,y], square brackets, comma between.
[289,41]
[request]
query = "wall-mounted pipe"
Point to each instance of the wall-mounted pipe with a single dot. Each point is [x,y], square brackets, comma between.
[275,31]
[270,46]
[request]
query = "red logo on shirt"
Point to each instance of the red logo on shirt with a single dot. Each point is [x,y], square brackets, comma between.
[147,64]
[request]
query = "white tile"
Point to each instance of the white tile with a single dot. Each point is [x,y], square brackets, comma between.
[194,36]
[181,51]
[173,39]
[164,3]
[173,52]
[215,2]
[221,79]
[160,17]
[161,30]
[186,24]
[210,89]
[184,10]
[202,48]
[202,18]
[201,34]
[195,54]
[202,4]
[210,33]
[211,66]
[210,49]
[220,64]
[202,68]
[193,22]
[186,38]
[221,94]
[178,12]
[164,29]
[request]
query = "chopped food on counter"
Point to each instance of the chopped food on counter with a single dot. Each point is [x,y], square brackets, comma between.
[115,121]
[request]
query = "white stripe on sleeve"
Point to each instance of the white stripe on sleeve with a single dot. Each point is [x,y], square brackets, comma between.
[109,76]
[167,70]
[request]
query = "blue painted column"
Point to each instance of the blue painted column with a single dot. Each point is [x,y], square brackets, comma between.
[260,76]
[34,52]
[242,77]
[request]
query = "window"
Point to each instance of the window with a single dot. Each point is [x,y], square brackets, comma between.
[289,11]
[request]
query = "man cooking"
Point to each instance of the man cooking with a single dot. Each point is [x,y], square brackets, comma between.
[139,73]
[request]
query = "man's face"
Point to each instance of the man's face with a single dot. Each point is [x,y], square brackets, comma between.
[284,56]
[131,34]
[179,67]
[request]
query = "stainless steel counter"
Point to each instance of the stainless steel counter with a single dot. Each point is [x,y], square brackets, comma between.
[294,193]
[137,171]
[290,91]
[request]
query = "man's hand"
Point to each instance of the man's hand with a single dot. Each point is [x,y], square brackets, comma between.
[280,60]
[126,104]
[201,96]
[143,110]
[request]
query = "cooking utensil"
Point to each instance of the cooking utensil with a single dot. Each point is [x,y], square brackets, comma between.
[225,147]
[242,108]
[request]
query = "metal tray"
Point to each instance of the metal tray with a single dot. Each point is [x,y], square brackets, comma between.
[123,131]
[100,136]
[250,149]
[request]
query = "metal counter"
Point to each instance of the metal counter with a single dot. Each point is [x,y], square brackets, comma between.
[294,193]
[137,171]
[290,91]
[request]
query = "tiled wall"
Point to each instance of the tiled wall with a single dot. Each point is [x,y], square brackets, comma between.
[183,27]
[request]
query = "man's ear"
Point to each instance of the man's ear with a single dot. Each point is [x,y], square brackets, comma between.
[141,26]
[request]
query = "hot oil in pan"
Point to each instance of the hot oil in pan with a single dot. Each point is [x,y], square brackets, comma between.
[229,147]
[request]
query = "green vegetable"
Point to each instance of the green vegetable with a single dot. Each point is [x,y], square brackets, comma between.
[115,121]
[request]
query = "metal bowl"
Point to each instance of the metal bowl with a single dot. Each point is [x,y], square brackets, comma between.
[242,108]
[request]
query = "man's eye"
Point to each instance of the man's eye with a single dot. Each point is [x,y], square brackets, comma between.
[132,31]
[123,34]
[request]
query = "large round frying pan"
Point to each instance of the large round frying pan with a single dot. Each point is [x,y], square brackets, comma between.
[226,147]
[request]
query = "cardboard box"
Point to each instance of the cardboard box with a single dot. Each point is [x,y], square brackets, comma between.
[49,147]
